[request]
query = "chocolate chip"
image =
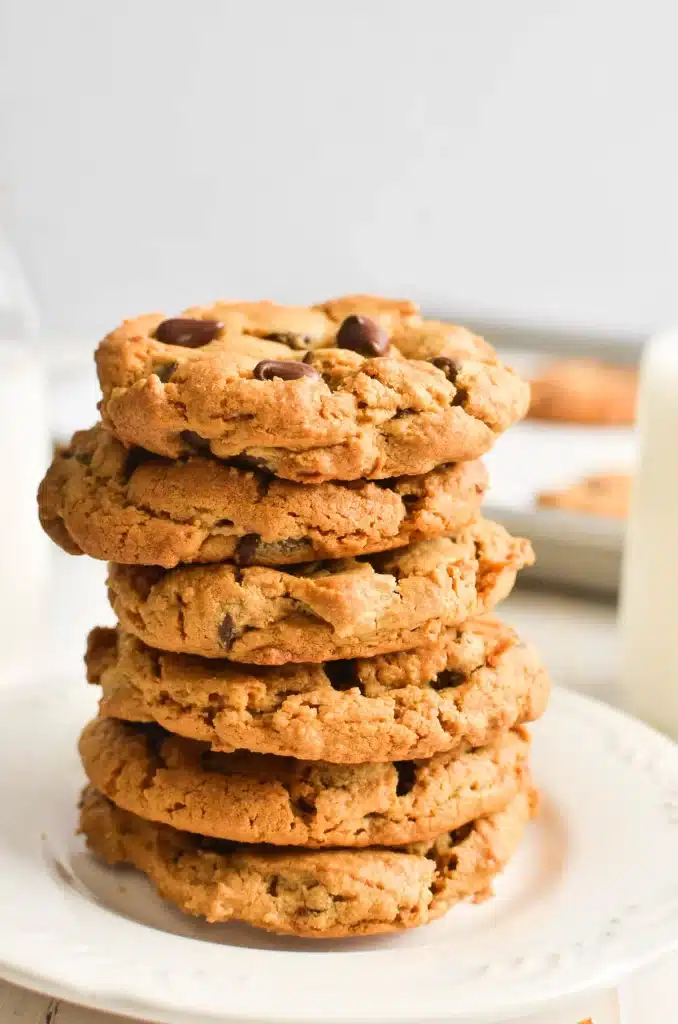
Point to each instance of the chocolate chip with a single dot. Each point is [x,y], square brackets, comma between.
[364,336]
[303,806]
[187,333]
[135,457]
[272,885]
[296,341]
[165,371]
[458,835]
[84,458]
[226,631]
[194,441]
[285,369]
[450,367]
[448,679]
[246,549]
[342,674]
[407,776]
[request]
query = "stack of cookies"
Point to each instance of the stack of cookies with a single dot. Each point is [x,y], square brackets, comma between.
[309,721]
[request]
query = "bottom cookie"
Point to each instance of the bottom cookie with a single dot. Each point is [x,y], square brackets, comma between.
[313,894]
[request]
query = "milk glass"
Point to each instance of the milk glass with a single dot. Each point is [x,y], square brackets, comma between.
[24,448]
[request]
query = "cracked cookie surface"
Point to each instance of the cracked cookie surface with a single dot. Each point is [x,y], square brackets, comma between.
[315,894]
[320,611]
[127,506]
[260,798]
[476,682]
[305,393]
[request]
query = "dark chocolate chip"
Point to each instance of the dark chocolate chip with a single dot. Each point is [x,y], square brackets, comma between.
[246,549]
[364,336]
[448,679]
[273,885]
[308,358]
[226,631]
[165,371]
[194,441]
[407,776]
[187,333]
[295,341]
[342,674]
[136,457]
[303,806]
[285,369]
[450,367]
[84,458]
[460,397]
[458,835]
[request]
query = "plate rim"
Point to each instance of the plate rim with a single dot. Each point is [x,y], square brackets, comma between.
[128,1003]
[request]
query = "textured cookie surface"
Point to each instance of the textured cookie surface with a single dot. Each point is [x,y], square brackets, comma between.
[397,395]
[585,391]
[602,494]
[314,894]
[260,798]
[126,506]
[320,611]
[477,681]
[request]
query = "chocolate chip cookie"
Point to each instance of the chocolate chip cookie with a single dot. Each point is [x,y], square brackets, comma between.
[315,894]
[320,611]
[601,494]
[585,391]
[476,682]
[358,387]
[128,506]
[260,798]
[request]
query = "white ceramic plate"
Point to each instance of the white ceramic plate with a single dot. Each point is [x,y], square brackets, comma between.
[592,894]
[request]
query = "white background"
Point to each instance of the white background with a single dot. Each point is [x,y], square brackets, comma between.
[517,158]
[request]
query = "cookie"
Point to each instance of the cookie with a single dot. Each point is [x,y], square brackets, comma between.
[260,798]
[356,388]
[315,894]
[127,506]
[602,494]
[323,610]
[585,391]
[476,682]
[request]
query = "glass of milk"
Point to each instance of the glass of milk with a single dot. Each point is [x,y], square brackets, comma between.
[24,443]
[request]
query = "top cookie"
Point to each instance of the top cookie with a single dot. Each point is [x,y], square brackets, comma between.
[356,387]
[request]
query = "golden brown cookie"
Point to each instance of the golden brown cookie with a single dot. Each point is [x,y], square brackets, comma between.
[585,391]
[601,494]
[260,798]
[127,506]
[358,387]
[314,894]
[476,682]
[320,611]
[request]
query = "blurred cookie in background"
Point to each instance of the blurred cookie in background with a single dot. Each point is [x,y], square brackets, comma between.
[601,494]
[585,391]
